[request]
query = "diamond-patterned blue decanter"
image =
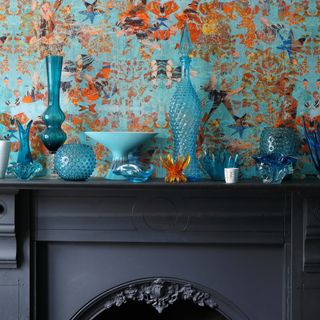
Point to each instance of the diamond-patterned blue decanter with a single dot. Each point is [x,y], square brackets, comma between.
[185,112]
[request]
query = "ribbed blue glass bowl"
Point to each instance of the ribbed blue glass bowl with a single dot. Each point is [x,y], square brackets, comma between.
[74,162]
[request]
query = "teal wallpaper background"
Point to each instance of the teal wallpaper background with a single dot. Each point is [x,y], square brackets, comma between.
[255,63]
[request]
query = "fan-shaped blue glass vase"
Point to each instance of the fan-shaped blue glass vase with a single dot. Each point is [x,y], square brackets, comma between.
[25,168]
[185,112]
[53,136]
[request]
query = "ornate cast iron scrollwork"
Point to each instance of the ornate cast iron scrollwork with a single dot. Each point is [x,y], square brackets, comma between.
[160,294]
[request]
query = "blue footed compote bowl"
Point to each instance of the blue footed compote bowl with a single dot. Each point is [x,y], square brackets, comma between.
[120,143]
[274,167]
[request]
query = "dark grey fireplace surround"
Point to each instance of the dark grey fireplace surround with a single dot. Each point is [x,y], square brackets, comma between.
[73,250]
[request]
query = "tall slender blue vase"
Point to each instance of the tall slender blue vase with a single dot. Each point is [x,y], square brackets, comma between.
[185,112]
[53,137]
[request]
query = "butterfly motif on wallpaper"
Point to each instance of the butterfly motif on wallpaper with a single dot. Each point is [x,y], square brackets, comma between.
[135,20]
[190,15]
[91,11]
[164,70]
[9,122]
[161,31]
[290,45]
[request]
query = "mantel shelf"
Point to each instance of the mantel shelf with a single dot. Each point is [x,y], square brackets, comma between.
[53,183]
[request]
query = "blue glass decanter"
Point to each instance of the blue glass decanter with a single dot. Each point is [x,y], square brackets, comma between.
[53,137]
[25,168]
[185,112]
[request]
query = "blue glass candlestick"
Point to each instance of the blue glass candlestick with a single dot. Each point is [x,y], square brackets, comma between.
[53,137]
[185,112]
[25,168]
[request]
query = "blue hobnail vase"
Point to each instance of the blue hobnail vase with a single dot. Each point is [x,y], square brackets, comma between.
[53,136]
[278,140]
[74,162]
[185,112]
[25,168]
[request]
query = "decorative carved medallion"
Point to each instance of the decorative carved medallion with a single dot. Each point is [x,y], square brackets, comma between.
[160,294]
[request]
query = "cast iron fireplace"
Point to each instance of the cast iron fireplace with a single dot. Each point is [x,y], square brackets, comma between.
[157,298]
[93,246]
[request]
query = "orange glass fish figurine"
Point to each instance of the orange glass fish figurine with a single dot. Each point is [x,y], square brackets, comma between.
[175,170]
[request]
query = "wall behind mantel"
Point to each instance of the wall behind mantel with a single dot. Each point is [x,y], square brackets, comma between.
[256,63]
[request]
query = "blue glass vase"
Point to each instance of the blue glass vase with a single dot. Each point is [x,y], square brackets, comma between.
[185,112]
[312,135]
[53,137]
[278,140]
[25,168]
[74,162]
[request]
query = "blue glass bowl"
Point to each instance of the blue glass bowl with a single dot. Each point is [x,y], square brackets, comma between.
[74,162]
[214,164]
[135,172]
[274,167]
[25,171]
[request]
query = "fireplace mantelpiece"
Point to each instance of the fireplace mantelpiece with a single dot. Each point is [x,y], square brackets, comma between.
[257,246]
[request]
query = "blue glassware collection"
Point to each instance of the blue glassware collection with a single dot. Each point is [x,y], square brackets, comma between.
[76,162]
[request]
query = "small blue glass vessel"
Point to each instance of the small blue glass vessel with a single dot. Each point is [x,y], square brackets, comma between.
[278,140]
[214,164]
[135,172]
[185,112]
[274,167]
[313,140]
[53,136]
[74,162]
[25,168]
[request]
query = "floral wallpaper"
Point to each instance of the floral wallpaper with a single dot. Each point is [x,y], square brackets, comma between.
[255,63]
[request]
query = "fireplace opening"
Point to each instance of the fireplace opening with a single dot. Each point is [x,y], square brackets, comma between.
[159,298]
[180,310]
